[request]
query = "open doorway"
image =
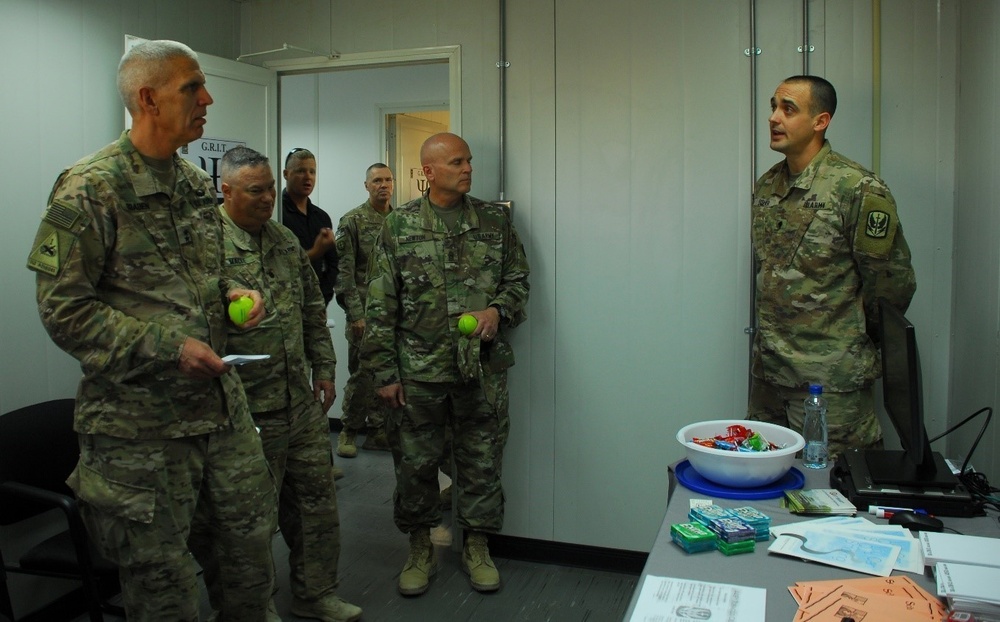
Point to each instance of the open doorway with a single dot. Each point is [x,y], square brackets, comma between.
[337,109]
[405,132]
[341,115]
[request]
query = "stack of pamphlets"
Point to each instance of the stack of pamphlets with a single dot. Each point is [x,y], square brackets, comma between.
[959,549]
[872,599]
[969,589]
[849,542]
[824,501]
[967,569]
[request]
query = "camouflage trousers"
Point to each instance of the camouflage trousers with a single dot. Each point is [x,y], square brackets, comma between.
[850,418]
[297,446]
[139,500]
[418,434]
[361,406]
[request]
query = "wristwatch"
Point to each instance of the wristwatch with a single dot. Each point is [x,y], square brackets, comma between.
[503,315]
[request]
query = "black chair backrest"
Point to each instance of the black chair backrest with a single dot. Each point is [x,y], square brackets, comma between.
[38,447]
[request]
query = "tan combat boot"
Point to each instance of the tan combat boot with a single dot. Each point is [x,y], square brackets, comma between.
[346,446]
[420,566]
[477,563]
[376,439]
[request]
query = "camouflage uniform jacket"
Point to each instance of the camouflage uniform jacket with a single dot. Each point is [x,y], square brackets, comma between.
[293,332]
[126,269]
[827,244]
[357,233]
[425,277]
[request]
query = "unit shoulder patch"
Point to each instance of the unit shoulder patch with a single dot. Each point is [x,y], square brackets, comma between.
[45,257]
[876,227]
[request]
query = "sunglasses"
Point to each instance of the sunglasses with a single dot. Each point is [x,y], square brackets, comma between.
[293,152]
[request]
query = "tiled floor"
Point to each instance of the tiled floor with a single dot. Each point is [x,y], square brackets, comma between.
[374,551]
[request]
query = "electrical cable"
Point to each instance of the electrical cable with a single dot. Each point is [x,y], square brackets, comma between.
[976,483]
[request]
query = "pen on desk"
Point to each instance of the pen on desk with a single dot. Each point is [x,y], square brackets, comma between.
[875,509]
[886,514]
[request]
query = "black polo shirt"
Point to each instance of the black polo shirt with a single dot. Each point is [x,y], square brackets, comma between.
[306,227]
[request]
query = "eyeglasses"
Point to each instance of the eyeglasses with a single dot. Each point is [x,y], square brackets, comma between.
[293,152]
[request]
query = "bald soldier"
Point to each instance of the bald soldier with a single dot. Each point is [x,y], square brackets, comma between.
[438,257]
[828,244]
[129,264]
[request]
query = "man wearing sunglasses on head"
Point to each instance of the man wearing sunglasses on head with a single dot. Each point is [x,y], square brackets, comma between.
[311,225]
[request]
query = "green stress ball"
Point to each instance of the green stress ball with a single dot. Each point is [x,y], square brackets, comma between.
[239,310]
[467,324]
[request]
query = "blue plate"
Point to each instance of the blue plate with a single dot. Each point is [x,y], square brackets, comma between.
[690,478]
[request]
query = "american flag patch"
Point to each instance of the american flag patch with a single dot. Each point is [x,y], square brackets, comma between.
[61,216]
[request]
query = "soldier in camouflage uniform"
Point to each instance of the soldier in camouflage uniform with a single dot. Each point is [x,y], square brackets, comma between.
[356,235]
[128,262]
[439,257]
[828,244]
[290,392]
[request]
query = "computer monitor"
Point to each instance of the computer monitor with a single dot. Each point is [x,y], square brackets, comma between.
[916,465]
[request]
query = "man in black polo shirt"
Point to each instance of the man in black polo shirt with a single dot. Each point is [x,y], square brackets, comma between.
[311,225]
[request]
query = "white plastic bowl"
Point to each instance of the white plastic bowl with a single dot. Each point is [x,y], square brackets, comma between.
[738,469]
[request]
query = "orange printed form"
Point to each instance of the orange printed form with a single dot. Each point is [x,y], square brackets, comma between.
[873,599]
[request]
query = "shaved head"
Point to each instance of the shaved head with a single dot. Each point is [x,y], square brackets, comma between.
[439,145]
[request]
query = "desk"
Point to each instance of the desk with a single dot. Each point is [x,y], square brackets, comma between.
[759,569]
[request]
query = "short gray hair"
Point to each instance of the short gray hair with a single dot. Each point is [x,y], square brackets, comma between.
[145,65]
[239,158]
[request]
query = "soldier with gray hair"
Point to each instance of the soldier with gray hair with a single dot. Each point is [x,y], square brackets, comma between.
[828,244]
[437,258]
[290,392]
[129,262]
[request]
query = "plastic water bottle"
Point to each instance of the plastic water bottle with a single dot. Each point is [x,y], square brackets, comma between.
[814,429]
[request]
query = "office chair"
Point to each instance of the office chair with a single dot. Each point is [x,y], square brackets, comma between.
[38,451]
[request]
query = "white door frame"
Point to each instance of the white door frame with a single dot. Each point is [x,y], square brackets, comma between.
[388,144]
[451,54]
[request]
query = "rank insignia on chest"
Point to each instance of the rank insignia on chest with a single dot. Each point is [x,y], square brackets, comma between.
[877,225]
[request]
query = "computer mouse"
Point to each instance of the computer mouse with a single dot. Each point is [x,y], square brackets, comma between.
[916,522]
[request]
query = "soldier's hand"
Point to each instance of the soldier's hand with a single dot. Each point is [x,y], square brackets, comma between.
[358,328]
[392,395]
[326,390]
[198,360]
[257,312]
[325,240]
[487,323]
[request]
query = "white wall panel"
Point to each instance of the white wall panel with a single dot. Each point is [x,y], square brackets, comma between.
[649,304]
[975,355]
[919,98]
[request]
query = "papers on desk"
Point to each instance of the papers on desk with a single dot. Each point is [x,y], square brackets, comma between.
[665,599]
[955,548]
[871,599]
[243,359]
[818,501]
[908,559]
[969,589]
[854,543]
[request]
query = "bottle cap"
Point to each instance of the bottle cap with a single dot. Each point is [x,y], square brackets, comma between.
[815,389]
